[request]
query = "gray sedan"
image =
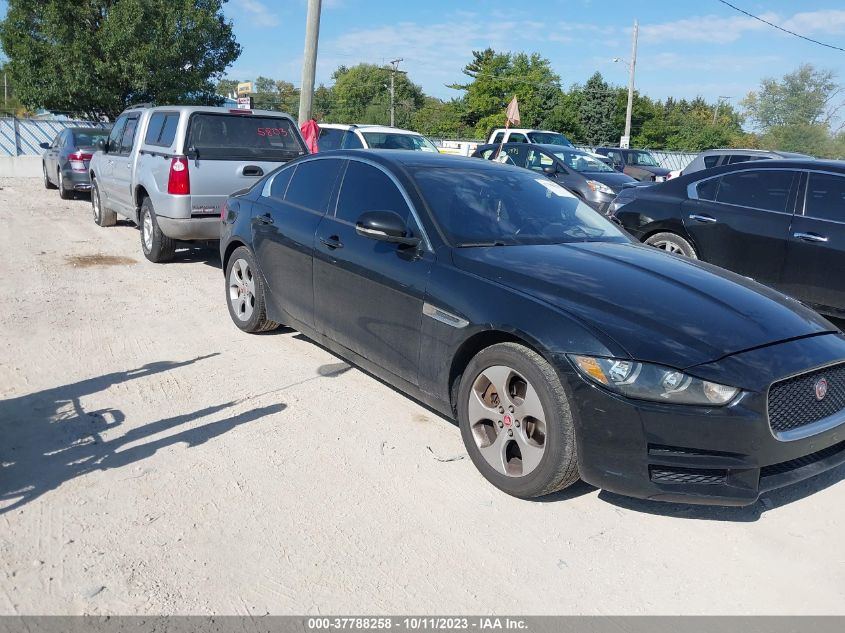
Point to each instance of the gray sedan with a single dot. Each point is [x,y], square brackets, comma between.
[65,163]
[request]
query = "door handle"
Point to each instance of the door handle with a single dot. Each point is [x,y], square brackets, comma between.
[252,170]
[332,242]
[265,219]
[706,219]
[810,237]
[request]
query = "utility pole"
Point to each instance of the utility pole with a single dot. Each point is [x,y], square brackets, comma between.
[626,140]
[394,63]
[309,62]
[718,103]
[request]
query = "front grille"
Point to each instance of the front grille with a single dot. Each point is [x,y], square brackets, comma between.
[793,402]
[665,475]
[800,462]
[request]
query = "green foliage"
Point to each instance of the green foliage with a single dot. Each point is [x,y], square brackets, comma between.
[93,57]
[443,119]
[361,94]
[272,94]
[596,109]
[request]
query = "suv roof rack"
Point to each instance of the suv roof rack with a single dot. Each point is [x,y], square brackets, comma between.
[139,106]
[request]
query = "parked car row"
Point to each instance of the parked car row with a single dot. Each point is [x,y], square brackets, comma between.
[495,295]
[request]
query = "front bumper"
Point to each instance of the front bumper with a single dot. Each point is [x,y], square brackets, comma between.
[708,455]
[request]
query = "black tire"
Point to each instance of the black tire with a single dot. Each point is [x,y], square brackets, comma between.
[64,194]
[47,183]
[672,243]
[256,321]
[102,216]
[157,247]
[558,467]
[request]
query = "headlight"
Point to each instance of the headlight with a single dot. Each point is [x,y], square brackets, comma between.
[645,381]
[600,187]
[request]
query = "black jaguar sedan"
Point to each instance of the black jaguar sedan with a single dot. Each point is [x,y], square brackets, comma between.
[562,347]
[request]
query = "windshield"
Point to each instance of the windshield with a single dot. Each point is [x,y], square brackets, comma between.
[584,163]
[391,140]
[550,138]
[503,206]
[641,158]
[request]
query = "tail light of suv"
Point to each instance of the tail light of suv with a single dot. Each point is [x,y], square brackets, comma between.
[179,181]
[78,160]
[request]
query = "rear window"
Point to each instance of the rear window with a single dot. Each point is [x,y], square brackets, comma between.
[89,139]
[766,189]
[711,161]
[162,129]
[331,138]
[243,137]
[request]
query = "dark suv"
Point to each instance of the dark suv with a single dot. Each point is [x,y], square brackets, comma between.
[637,163]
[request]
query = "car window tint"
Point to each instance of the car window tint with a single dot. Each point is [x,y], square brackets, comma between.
[351,141]
[517,138]
[707,190]
[280,183]
[498,138]
[367,188]
[162,129]
[826,197]
[244,137]
[738,158]
[128,137]
[330,139]
[514,155]
[311,186]
[761,189]
[116,133]
[711,161]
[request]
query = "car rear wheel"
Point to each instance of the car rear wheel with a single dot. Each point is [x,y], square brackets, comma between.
[516,421]
[156,245]
[102,217]
[245,293]
[64,194]
[672,243]
[47,183]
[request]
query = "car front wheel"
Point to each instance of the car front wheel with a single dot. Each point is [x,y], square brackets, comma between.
[245,293]
[102,217]
[64,194]
[516,422]
[47,183]
[672,243]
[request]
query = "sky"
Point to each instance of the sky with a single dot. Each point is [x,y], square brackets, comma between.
[685,48]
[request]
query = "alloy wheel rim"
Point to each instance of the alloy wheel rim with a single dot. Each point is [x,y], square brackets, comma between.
[669,247]
[242,290]
[507,421]
[147,230]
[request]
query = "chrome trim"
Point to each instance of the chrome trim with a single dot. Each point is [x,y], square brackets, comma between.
[703,218]
[809,237]
[444,317]
[819,426]
[373,232]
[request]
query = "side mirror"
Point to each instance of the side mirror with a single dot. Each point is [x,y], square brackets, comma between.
[550,170]
[101,145]
[44,145]
[384,226]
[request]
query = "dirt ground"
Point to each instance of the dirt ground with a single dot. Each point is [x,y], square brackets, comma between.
[156,460]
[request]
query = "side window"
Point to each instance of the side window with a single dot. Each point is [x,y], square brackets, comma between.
[516,155]
[280,182]
[707,190]
[825,197]
[57,142]
[738,158]
[517,138]
[367,188]
[116,134]
[711,161]
[487,154]
[161,130]
[498,138]
[128,138]
[312,184]
[761,189]
[351,141]
[616,158]
[537,160]
[330,139]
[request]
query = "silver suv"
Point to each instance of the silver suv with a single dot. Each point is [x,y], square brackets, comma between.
[169,169]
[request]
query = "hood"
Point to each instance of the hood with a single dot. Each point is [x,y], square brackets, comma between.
[657,171]
[614,180]
[659,307]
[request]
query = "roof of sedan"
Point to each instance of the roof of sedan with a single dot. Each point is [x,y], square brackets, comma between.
[415,158]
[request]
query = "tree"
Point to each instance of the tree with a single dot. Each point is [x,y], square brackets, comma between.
[443,119]
[596,111]
[98,56]
[497,78]
[362,95]
[272,94]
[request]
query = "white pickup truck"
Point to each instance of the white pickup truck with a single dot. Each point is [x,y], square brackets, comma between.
[525,135]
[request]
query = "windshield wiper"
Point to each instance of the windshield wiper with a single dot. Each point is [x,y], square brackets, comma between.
[479,244]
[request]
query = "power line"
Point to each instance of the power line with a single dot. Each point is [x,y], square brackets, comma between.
[780,28]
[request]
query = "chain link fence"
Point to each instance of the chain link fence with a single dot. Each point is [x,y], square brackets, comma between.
[23,137]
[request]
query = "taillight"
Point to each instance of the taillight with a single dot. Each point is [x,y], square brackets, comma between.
[77,160]
[224,210]
[179,181]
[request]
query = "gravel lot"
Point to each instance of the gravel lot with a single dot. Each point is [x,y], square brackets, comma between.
[154,459]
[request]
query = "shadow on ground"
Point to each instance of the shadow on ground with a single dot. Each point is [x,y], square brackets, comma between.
[48,438]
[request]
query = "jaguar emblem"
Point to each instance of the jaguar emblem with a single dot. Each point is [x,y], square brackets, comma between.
[821,388]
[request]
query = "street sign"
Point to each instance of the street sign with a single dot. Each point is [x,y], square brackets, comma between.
[244,88]
[244,103]
[624,142]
